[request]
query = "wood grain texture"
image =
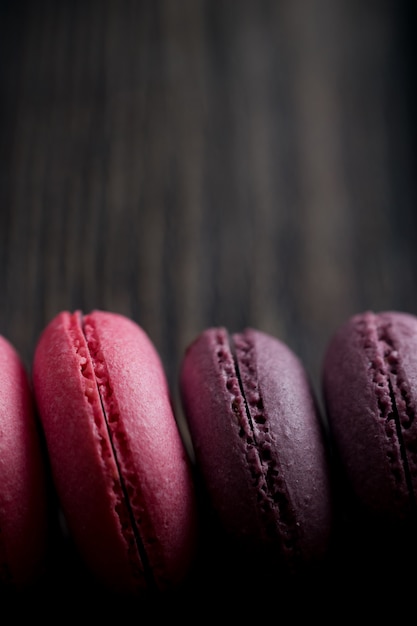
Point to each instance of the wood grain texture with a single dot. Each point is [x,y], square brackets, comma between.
[203,163]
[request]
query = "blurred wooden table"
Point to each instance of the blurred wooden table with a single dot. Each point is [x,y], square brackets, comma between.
[203,163]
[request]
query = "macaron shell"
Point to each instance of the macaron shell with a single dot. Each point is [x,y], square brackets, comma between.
[298,441]
[299,506]
[219,450]
[86,472]
[370,389]
[23,502]
[150,450]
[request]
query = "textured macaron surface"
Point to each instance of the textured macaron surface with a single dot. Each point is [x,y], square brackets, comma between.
[370,391]
[258,441]
[118,461]
[23,505]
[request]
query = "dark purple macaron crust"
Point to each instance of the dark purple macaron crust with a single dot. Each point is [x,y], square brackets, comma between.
[370,391]
[258,442]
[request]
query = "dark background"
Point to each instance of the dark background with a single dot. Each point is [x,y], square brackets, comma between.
[195,163]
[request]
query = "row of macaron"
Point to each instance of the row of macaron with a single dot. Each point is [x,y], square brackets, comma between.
[95,417]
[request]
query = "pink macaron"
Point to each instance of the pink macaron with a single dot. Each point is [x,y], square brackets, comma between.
[260,448]
[370,391]
[120,468]
[23,494]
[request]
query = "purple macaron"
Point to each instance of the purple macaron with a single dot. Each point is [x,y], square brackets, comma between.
[259,445]
[370,391]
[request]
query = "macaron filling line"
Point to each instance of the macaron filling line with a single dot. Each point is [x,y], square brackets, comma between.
[392,397]
[247,405]
[112,442]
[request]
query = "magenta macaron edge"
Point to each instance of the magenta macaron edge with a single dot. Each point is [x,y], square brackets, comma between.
[23,493]
[120,468]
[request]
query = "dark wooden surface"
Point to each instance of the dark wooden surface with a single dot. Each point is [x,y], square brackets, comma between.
[204,163]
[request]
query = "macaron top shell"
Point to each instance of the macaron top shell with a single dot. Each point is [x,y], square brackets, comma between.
[118,461]
[370,390]
[259,442]
[23,503]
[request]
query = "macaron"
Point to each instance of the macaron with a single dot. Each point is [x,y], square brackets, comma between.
[23,493]
[370,393]
[260,449]
[118,461]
